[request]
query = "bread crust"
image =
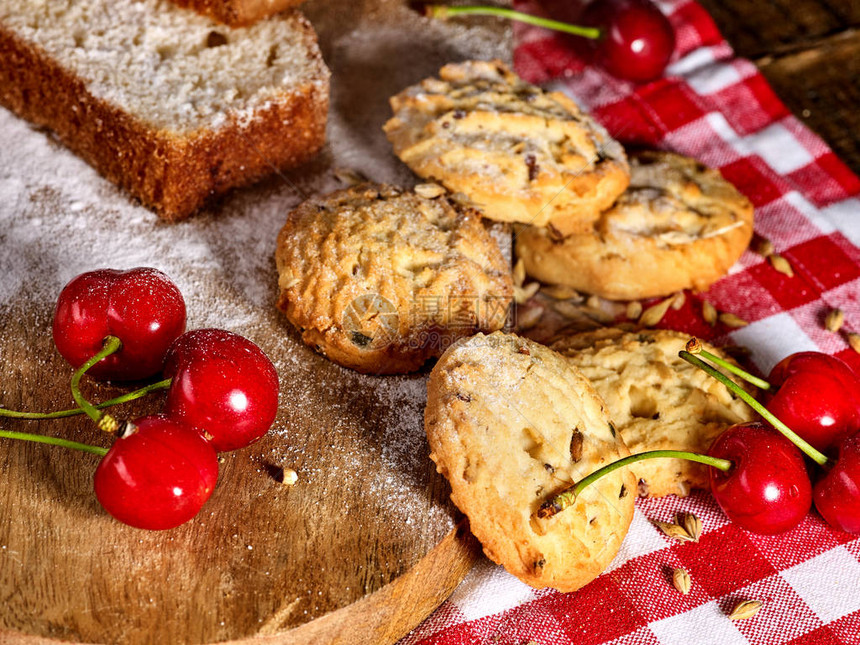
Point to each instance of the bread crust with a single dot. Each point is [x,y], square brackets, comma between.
[680,225]
[172,172]
[511,424]
[238,13]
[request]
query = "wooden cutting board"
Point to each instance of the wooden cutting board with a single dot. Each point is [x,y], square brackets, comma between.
[366,543]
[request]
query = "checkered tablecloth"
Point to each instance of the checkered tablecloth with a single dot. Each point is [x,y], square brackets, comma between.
[719,109]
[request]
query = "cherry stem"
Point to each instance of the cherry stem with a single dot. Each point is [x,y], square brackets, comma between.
[694,346]
[59,414]
[568,496]
[54,441]
[104,421]
[816,456]
[442,12]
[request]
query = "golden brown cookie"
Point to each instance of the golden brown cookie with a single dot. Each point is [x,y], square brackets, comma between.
[510,425]
[679,225]
[657,400]
[517,152]
[381,279]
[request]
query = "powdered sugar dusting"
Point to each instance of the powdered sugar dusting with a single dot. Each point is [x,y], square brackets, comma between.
[59,218]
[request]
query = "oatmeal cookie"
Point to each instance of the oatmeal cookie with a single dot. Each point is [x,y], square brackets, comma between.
[679,225]
[518,153]
[381,279]
[511,424]
[657,401]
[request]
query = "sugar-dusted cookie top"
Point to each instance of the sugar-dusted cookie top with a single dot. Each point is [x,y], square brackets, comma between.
[679,225]
[511,424]
[517,152]
[657,400]
[381,279]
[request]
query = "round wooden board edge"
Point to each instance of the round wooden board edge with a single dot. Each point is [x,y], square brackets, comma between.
[381,618]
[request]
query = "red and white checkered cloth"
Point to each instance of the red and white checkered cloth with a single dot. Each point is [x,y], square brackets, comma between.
[720,110]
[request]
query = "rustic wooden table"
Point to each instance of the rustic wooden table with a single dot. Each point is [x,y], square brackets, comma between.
[809,51]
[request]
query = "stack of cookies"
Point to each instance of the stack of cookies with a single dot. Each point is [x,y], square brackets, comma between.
[585,216]
[499,148]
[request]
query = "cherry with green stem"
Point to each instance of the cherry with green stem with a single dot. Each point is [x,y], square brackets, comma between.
[757,477]
[567,497]
[808,391]
[442,12]
[157,475]
[631,39]
[837,490]
[817,456]
[62,414]
[695,347]
[102,419]
[53,441]
[141,306]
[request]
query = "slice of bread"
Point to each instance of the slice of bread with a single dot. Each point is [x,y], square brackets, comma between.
[162,101]
[238,13]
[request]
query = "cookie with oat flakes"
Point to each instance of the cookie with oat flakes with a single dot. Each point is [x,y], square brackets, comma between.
[657,400]
[680,225]
[381,279]
[511,424]
[517,152]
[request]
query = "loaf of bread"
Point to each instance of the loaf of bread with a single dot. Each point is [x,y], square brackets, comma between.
[238,13]
[162,101]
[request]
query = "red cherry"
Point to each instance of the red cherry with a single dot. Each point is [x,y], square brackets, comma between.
[818,397]
[767,490]
[157,477]
[637,40]
[224,385]
[837,492]
[141,307]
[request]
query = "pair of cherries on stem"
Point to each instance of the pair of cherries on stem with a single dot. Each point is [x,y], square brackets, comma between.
[222,392]
[758,476]
[631,39]
[818,396]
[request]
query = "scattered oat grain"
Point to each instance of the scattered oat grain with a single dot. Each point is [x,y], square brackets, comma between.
[349,176]
[634,310]
[781,264]
[654,314]
[672,530]
[834,319]
[561,292]
[598,315]
[429,191]
[567,309]
[745,609]
[679,300]
[682,581]
[731,320]
[690,523]
[519,273]
[709,313]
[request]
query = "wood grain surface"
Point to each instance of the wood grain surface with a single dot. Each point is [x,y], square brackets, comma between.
[808,51]
[366,543]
